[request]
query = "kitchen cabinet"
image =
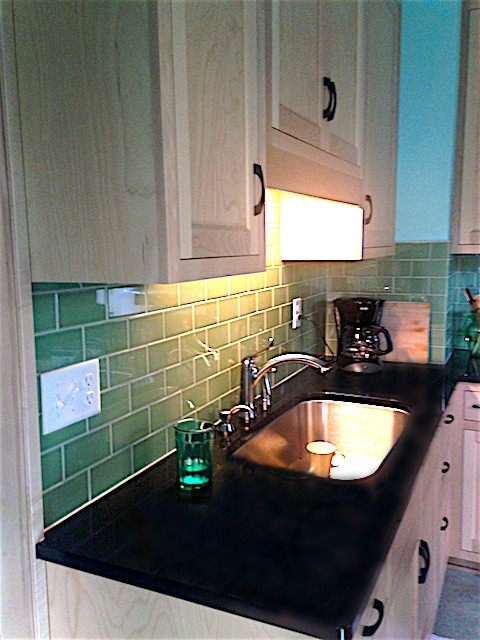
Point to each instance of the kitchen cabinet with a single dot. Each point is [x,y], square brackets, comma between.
[464,411]
[382,20]
[143,128]
[316,56]
[406,596]
[466,197]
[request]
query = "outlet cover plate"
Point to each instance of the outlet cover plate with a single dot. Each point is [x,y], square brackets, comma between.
[70,394]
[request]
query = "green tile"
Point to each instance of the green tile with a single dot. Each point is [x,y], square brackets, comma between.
[51,468]
[62,435]
[257,322]
[437,303]
[130,429]
[280,296]
[192,291]
[56,350]
[53,286]
[162,296]
[228,308]
[439,249]
[128,366]
[102,365]
[205,366]
[429,268]
[217,337]
[195,397]
[420,285]
[219,385]
[147,328]
[148,390]
[256,281]
[248,303]
[163,354]
[273,276]
[166,411]
[273,317]
[179,377]
[412,250]
[264,299]
[437,355]
[280,334]
[110,472]
[438,285]
[150,449]
[114,405]
[87,450]
[247,347]
[80,307]
[178,321]
[44,312]
[205,314]
[192,344]
[238,284]
[65,498]
[105,338]
[238,329]
[217,287]
[229,356]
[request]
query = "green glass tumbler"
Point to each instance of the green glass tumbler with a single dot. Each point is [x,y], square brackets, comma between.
[194,440]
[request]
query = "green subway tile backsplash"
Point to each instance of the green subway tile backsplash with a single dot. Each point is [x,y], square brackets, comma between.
[179,354]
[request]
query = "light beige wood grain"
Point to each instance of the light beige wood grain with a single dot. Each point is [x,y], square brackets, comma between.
[408,324]
[381,117]
[23,598]
[86,606]
[466,193]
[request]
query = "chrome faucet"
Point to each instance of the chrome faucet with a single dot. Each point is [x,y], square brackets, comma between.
[251,376]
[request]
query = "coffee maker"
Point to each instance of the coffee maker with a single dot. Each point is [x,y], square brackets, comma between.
[361,338]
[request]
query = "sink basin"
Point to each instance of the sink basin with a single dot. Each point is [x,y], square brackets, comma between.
[363,433]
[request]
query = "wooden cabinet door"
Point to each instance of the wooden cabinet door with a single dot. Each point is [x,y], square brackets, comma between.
[313,40]
[215,48]
[466,202]
[382,24]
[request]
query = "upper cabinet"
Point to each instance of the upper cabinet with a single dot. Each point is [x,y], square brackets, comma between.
[334,71]
[143,128]
[382,23]
[466,198]
[316,54]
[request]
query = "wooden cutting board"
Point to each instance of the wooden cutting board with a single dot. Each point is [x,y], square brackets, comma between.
[408,324]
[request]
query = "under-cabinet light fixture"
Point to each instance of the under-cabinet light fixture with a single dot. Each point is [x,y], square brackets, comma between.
[319,229]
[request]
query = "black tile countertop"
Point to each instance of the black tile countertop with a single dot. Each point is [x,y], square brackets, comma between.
[298,552]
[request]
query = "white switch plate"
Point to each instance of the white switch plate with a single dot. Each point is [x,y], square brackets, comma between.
[70,394]
[296,313]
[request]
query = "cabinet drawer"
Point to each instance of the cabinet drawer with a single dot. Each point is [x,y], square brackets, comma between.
[471,405]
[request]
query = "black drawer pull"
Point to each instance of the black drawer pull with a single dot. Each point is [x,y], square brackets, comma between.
[475,406]
[424,552]
[369,630]
[446,467]
[449,418]
[445,524]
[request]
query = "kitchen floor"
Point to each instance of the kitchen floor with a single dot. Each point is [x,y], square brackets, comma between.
[458,614]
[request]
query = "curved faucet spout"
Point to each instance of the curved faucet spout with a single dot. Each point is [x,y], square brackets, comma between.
[251,376]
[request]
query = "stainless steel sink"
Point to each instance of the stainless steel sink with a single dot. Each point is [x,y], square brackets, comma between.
[364,433]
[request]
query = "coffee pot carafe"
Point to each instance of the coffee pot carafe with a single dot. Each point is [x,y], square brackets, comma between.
[361,338]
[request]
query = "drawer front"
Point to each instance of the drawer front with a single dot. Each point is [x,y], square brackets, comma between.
[471,405]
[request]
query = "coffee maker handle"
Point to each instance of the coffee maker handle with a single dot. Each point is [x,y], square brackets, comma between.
[389,347]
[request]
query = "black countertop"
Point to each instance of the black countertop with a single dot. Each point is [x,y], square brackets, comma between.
[297,552]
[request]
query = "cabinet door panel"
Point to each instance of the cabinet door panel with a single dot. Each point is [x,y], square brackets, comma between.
[215,103]
[470,540]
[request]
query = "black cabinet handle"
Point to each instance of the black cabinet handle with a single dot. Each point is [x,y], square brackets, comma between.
[329,111]
[446,467]
[475,406]
[449,418]
[424,552]
[369,630]
[368,218]
[258,208]
[445,524]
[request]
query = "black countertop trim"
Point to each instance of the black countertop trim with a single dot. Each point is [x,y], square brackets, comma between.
[144,532]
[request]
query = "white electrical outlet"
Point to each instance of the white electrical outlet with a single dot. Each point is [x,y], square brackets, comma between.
[296,313]
[70,394]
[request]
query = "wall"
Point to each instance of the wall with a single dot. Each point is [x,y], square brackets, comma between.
[177,355]
[430,50]
[464,273]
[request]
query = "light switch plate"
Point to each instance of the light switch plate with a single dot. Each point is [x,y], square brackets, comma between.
[70,394]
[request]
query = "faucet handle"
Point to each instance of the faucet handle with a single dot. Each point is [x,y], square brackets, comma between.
[270,344]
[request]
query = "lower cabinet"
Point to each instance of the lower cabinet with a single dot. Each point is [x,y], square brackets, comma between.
[406,596]
[464,413]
